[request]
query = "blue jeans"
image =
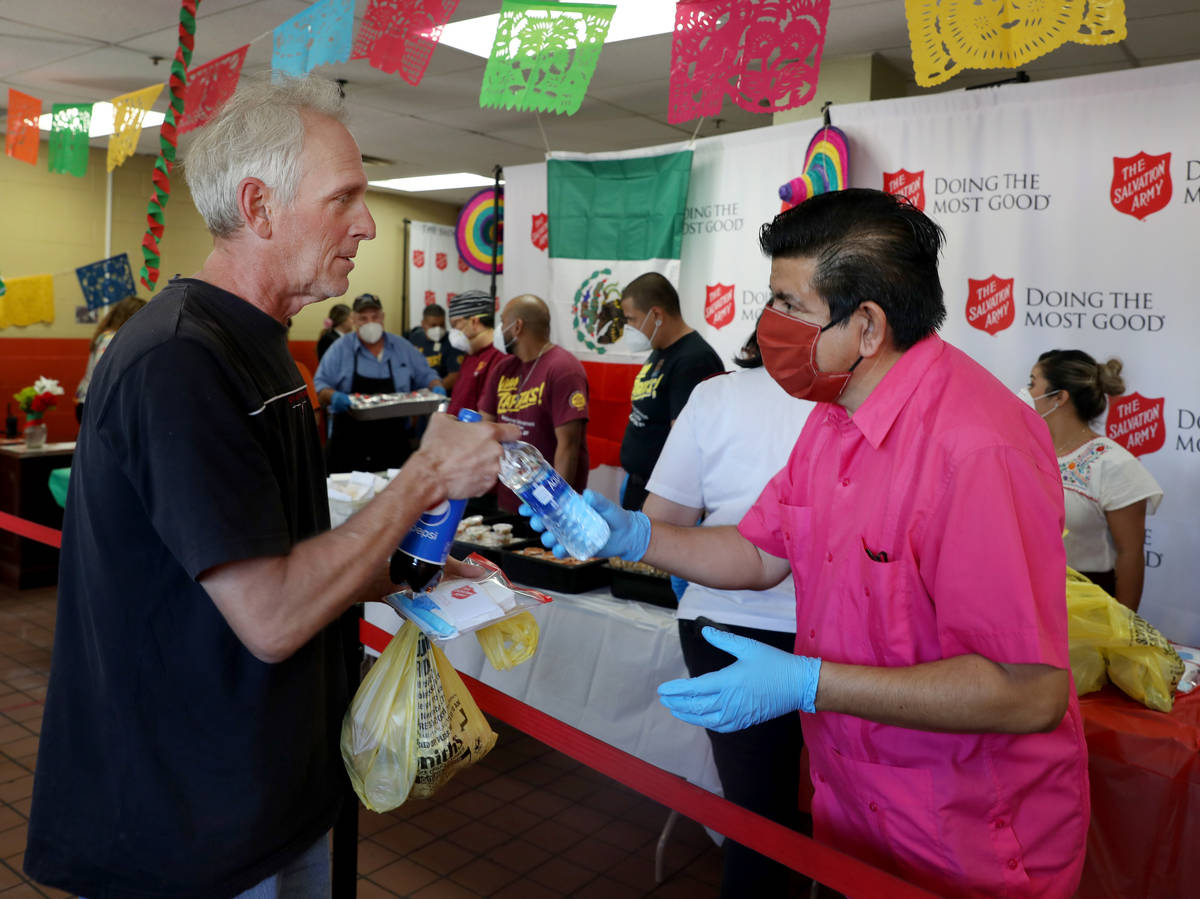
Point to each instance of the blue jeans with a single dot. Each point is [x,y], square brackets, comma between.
[307,877]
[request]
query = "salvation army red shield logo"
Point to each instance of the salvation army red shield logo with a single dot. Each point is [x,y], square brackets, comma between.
[449,296]
[1141,184]
[440,261]
[718,305]
[430,297]
[539,232]
[462,264]
[419,258]
[1136,422]
[990,305]
[910,185]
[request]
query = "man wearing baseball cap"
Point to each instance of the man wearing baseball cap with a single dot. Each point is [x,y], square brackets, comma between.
[472,317]
[373,362]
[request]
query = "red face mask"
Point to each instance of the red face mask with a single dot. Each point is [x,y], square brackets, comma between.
[789,353]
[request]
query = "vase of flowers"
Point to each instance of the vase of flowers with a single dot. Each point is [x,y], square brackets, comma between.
[35,401]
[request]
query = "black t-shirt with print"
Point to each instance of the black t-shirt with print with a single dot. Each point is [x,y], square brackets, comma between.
[660,392]
[442,358]
[173,762]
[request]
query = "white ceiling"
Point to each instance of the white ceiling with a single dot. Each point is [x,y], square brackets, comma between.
[66,51]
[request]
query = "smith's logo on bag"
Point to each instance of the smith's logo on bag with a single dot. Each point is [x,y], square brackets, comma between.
[539,231]
[719,305]
[990,305]
[440,261]
[1136,422]
[910,185]
[418,258]
[1141,184]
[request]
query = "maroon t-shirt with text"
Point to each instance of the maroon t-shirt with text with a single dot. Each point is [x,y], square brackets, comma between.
[539,396]
[472,377]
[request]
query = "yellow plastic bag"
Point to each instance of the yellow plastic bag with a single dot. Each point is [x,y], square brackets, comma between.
[1109,641]
[453,733]
[411,726]
[510,642]
[379,733]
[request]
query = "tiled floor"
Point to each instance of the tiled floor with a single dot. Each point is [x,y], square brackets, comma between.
[527,822]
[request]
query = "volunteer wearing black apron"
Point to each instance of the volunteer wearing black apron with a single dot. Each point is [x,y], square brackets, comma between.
[373,362]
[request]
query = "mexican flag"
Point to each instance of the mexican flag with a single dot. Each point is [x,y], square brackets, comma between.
[611,218]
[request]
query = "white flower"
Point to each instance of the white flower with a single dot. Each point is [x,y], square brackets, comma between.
[47,385]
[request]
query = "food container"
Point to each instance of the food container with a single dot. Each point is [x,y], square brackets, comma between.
[654,589]
[565,576]
[370,407]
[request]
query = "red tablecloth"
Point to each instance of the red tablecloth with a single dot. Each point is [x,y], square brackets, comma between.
[1144,766]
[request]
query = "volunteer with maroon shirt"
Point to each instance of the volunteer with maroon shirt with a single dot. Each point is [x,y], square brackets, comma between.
[541,388]
[472,316]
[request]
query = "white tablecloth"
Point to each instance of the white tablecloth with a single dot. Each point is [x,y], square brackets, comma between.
[598,663]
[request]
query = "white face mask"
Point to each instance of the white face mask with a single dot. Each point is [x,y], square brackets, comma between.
[1028,399]
[436,333]
[636,340]
[370,332]
[498,338]
[459,341]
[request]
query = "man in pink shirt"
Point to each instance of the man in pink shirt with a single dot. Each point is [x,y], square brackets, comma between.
[921,516]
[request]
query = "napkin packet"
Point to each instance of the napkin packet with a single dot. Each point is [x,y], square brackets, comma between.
[458,606]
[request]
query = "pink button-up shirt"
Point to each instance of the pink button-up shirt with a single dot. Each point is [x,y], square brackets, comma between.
[927,526]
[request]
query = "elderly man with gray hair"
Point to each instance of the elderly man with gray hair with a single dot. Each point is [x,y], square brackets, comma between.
[190,737]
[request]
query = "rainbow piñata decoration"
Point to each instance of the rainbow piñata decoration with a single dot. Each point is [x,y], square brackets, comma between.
[826,168]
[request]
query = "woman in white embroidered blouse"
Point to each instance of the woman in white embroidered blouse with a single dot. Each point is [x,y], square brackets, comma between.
[1107,491]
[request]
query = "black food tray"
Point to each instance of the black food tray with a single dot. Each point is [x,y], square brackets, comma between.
[551,576]
[460,549]
[647,588]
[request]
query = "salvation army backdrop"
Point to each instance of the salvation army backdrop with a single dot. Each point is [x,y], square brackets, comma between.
[1071,211]
[436,271]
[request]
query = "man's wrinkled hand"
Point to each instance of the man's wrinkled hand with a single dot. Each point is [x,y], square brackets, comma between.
[466,455]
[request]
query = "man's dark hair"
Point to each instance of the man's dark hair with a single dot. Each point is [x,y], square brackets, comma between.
[433,310]
[867,245]
[750,356]
[652,289]
[488,321]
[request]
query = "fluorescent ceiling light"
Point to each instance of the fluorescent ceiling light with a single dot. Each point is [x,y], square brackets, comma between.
[633,18]
[102,120]
[435,182]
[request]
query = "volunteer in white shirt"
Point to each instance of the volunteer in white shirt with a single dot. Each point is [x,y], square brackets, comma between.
[734,434]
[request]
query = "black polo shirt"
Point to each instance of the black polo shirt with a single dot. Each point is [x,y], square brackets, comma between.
[172,762]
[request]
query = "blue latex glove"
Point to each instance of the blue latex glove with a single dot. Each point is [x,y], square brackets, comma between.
[629,532]
[438,389]
[762,684]
[340,402]
[678,586]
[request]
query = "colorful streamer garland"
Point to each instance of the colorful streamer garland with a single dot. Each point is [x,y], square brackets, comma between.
[167,141]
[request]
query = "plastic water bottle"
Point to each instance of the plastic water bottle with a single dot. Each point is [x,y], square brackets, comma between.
[419,559]
[576,525]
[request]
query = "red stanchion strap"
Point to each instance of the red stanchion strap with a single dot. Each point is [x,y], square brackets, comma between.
[822,863]
[33,531]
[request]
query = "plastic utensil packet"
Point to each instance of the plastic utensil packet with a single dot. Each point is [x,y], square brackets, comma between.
[458,606]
